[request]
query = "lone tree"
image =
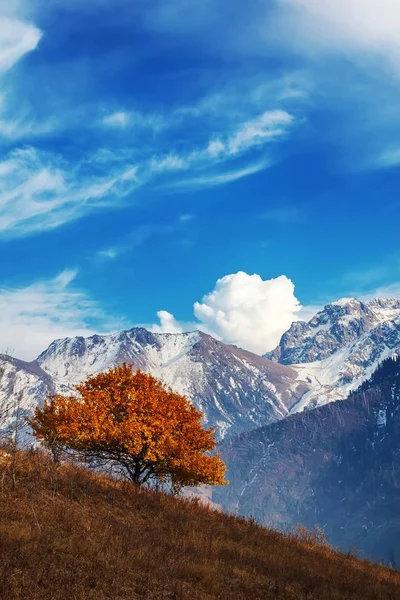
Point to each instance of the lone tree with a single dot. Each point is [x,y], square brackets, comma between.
[132,420]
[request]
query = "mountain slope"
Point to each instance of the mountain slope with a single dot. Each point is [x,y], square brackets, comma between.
[23,385]
[337,465]
[340,347]
[68,534]
[236,390]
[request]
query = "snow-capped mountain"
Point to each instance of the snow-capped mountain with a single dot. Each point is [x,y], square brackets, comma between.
[315,363]
[236,390]
[340,347]
[23,385]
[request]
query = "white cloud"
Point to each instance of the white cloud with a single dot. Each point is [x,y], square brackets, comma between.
[168,323]
[16,39]
[32,317]
[248,311]
[122,119]
[244,310]
[384,291]
[344,26]
[215,148]
[203,181]
[171,162]
[389,158]
[39,191]
[264,128]
[268,126]
[117,119]
[357,29]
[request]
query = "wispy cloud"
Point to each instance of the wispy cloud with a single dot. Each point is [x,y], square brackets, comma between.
[31,317]
[16,39]
[205,181]
[38,191]
[349,27]
[283,215]
[386,291]
[109,253]
[265,128]
[117,119]
[268,126]
[389,158]
[170,162]
[135,119]
[373,275]
[139,236]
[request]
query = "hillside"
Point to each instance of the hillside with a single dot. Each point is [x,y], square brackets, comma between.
[337,465]
[68,534]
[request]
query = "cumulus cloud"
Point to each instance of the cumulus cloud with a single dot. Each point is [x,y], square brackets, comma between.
[244,310]
[248,311]
[32,317]
[168,323]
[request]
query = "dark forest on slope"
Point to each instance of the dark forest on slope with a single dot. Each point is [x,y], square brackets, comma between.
[337,465]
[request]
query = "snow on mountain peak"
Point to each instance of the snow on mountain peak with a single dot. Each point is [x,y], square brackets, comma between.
[340,346]
[345,302]
[236,390]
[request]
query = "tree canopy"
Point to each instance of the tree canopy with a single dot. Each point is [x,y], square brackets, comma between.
[132,420]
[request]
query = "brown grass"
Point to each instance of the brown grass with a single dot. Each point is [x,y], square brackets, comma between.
[68,534]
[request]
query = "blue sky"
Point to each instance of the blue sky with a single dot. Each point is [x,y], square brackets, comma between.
[221,163]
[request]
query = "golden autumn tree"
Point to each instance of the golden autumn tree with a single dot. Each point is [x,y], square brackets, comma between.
[132,420]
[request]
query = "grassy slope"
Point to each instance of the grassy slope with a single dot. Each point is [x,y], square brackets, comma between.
[66,534]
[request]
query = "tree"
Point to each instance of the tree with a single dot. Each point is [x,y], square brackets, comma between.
[132,420]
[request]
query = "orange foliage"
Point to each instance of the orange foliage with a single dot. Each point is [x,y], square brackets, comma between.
[134,421]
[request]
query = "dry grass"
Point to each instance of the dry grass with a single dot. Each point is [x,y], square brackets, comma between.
[67,534]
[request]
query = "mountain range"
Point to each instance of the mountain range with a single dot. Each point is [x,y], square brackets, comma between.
[315,363]
[235,389]
[288,443]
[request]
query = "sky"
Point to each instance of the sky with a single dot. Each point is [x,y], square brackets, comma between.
[187,164]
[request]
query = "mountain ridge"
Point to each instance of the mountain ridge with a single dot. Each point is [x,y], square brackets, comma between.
[235,389]
[340,347]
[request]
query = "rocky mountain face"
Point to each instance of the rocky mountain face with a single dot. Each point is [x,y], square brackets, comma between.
[236,390]
[340,347]
[23,385]
[337,465]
